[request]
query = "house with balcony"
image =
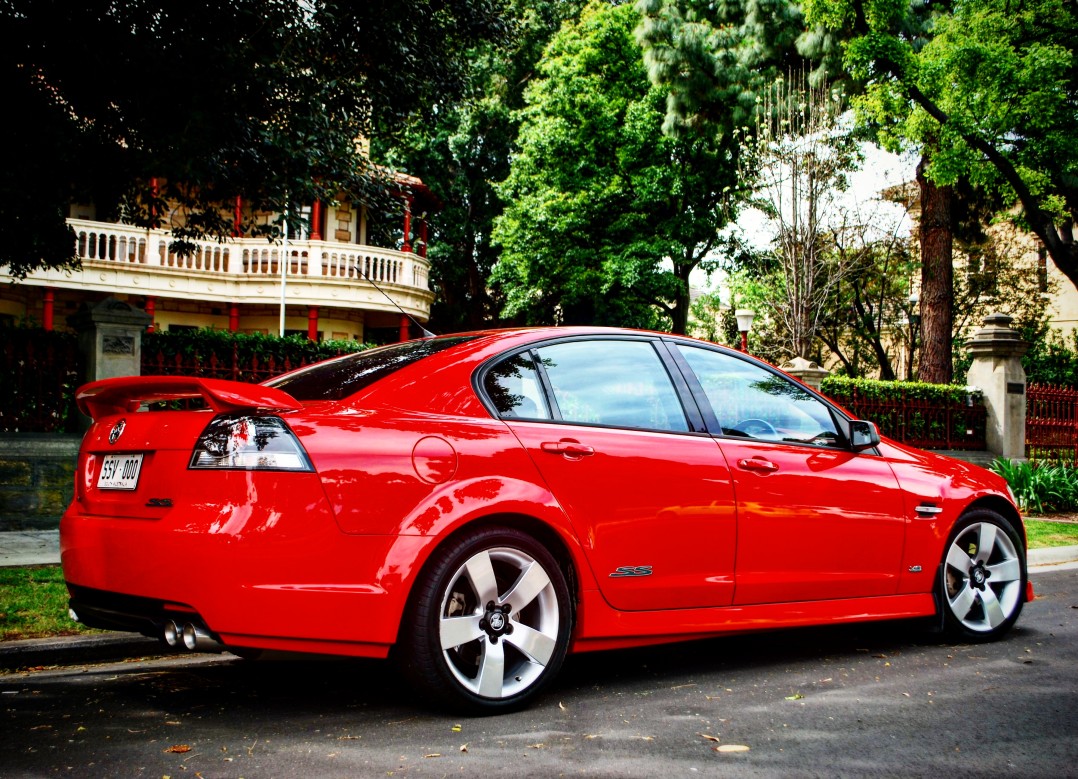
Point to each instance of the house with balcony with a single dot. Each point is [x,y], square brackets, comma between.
[328,282]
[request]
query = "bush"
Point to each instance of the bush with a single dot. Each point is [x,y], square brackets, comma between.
[844,388]
[1053,360]
[239,356]
[1040,487]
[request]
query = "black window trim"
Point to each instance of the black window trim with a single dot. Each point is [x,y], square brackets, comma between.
[693,417]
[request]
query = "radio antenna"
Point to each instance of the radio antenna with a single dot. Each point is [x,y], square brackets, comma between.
[426,333]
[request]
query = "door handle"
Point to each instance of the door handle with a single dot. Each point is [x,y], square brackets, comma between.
[758,464]
[567,447]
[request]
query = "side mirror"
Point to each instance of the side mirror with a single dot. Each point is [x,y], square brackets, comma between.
[863,435]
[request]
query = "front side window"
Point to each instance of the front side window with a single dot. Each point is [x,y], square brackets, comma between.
[752,402]
[615,383]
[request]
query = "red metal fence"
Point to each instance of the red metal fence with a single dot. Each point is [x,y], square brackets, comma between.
[1051,423]
[40,371]
[232,366]
[926,424]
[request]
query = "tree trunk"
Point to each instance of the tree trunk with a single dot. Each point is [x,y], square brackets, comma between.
[937,280]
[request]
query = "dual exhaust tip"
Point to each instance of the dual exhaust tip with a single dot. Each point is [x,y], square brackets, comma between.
[191,637]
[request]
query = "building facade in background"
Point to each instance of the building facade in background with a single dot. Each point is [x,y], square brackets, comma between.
[331,282]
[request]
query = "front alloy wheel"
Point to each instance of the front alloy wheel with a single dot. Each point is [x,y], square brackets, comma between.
[490,622]
[984,577]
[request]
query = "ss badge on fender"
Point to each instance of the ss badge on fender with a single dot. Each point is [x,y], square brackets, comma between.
[631,570]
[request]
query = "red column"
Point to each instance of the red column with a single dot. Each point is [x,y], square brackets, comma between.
[423,238]
[406,325]
[237,217]
[153,193]
[151,306]
[407,247]
[316,220]
[312,323]
[48,308]
[233,318]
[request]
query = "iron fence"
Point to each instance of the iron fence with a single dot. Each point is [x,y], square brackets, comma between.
[1052,423]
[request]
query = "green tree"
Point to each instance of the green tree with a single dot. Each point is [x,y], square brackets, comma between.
[462,148]
[260,98]
[989,88]
[606,216]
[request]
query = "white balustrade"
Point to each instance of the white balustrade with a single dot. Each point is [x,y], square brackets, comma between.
[146,250]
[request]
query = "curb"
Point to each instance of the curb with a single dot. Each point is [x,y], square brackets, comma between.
[75,650]
[117,647]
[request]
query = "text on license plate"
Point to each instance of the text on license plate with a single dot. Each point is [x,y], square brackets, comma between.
[119,472]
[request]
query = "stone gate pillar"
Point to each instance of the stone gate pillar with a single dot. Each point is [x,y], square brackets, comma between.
[807,371]
[110,337]
[997,371]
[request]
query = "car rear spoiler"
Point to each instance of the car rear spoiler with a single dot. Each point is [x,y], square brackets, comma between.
[124,395]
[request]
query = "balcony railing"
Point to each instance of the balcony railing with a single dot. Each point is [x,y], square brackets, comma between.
[249,258]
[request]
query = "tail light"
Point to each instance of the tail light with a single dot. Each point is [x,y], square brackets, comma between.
[250,443]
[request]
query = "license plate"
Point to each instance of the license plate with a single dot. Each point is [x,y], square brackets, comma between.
[119,472]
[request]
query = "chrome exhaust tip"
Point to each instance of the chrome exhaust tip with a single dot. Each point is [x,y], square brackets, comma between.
[198,640]
[172,634]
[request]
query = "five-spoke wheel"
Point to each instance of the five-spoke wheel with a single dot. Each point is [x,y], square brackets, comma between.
[490,621]
[984,577]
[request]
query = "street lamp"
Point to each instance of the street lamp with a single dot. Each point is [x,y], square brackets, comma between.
[744,324]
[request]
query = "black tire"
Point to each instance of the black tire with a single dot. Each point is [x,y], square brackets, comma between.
[982,578]
[512,639]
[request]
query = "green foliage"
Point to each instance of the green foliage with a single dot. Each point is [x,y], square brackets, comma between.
[247,349]
[463,149]
[259,98]
[598,199]
[33,603]
[988,87]
[1052,359]
[1040,487]
[845,388]
[41,370]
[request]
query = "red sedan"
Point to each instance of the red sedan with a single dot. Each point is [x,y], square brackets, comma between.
[478,505]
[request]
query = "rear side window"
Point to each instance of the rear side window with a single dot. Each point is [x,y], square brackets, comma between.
[514,388]
[594,382]
[615,383]
[344,376]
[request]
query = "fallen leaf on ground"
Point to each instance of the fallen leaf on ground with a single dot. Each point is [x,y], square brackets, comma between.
[728,748]
[540,745]
[795,697]
[709,738]
[463,747]
[456,728]
[178,749]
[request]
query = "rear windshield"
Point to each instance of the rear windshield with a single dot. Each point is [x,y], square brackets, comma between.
[344,376]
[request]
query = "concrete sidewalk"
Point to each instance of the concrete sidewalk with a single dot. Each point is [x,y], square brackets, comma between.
[29,547]
[18,548]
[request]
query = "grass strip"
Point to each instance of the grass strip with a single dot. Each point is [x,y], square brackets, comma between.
[33,603]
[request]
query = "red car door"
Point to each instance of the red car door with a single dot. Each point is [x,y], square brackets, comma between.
[814,520]
[651,500]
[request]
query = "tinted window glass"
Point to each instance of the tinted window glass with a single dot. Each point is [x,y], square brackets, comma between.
[753,402]
[514,388]
[619,383]
[337,379]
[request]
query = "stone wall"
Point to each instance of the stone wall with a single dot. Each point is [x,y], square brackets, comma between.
[37,479]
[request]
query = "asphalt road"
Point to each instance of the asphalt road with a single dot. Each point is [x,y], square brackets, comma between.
[872,700]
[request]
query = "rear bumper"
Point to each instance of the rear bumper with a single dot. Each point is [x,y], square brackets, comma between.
[289,581]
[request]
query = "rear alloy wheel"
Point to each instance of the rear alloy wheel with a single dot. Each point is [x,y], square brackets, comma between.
[490,622]
[984,577]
